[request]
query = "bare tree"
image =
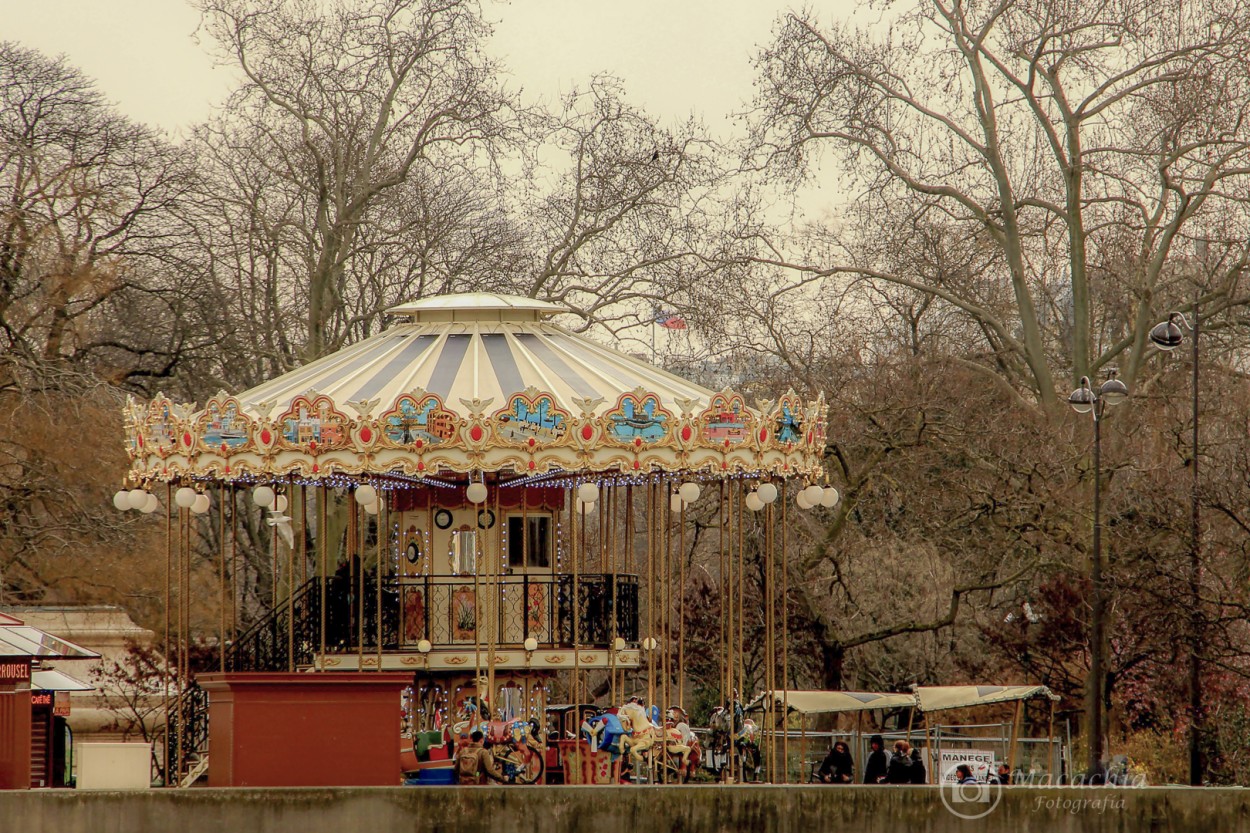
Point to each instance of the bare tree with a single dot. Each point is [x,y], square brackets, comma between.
[339,109]
[1078,144]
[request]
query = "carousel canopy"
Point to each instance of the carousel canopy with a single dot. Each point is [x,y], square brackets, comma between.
[829,702]
[939,698]
[475,382]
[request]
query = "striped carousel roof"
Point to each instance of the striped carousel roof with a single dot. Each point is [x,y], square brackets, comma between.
[477,382]
[476,346]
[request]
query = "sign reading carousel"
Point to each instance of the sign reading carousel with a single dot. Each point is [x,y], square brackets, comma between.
[432,492]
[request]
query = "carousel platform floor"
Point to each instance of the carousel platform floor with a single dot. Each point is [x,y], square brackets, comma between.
[625,809]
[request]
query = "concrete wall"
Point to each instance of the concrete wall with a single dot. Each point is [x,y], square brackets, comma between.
[622,810]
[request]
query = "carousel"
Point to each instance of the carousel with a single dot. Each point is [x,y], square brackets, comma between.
[468,518]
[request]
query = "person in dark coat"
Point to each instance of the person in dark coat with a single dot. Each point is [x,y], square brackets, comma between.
[918,774]
[875,770]
[1002,776]
[898,771]
[838,766]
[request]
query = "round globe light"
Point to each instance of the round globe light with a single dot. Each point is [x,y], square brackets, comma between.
[184,497]
[753,502]
[585,508]
[801,501]
[830,498]
[280,503]
[263,496]
[121,500]
[650,643]
[767,492]
[371,508]
[200,505]
[588,492]
[476,493]
[366,494]
[531,644]
[618,644]
[675,503]
[424,646]
[138,498]
[689,492]
[813,493]
[151,506]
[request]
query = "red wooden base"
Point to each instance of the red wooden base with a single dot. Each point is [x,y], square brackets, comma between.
[14,738]
[304,730]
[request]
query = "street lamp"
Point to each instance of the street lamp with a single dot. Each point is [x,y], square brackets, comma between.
[1085,400]
[1167,336]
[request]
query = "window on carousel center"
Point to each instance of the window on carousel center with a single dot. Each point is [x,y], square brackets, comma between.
[537,549]
[464,551]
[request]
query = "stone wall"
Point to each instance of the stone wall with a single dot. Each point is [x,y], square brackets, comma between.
[624,810]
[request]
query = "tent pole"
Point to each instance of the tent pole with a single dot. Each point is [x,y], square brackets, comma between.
[1015,735]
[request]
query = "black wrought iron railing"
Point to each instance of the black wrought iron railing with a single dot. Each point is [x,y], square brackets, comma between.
[445,610]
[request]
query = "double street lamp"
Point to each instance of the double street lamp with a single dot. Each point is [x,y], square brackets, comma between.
[1086,400]
[1167,335]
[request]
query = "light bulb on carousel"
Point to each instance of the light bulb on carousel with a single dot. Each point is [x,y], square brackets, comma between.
[767,492]
[476,493]
[184,497]
[753,502]
[121,500]
[280,503]
[201,504]
[801,501]
[588,493]
[138,498]
[813,493]
[675,503]
[366,494]
[584,508]
[263,496]
[829,498]
[689,492]
[151,505]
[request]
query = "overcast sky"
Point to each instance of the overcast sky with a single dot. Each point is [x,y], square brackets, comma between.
[677,57]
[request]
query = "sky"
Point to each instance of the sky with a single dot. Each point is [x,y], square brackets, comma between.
[677,57]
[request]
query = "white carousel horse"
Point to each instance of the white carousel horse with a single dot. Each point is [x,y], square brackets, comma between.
[642,735]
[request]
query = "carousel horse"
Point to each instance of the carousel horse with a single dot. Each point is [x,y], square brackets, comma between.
[643,734]
[733,728]
[677,719]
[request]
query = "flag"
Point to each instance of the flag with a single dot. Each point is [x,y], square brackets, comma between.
[671,321]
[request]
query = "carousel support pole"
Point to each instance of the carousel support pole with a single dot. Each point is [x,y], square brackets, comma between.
[234,560]
[859,739]
[770,642]
[1051,761]
[681,610]
[785,648]
[379,527]
[740,575]
[168,648]
[355,554]
[322,512]
[303,535]
[184,535]
[579,544]
[221,583]
[290,591]
[651,490]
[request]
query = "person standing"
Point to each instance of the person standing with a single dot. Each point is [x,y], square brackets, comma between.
[838,766]
[899,769]
[878,765]
[918,774]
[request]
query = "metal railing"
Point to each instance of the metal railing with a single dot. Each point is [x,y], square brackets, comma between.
[445,610]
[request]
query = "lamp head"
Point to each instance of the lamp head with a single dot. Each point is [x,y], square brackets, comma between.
[1113,391]
[1082,399]
[1167,335]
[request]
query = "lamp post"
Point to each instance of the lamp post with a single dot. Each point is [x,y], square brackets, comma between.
[1167,336]
[1085,400]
